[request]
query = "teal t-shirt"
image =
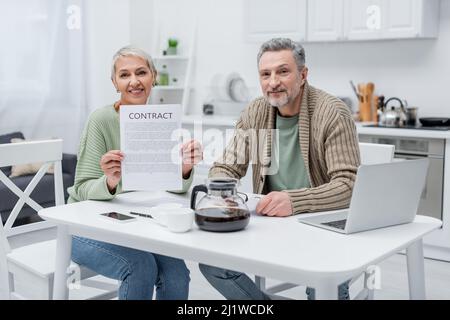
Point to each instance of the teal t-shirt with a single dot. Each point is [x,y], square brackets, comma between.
[291,172]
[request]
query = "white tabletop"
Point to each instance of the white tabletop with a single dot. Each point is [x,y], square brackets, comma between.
[280,248]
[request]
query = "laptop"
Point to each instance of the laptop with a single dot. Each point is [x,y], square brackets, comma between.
[383,195]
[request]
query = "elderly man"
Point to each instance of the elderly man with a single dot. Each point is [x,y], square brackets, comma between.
[307,163]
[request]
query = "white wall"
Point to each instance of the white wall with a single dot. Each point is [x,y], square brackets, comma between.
[107,30]
[415,70]
[142,24]
[110,26]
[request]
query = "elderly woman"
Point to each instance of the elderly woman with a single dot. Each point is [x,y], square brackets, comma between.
[98,176]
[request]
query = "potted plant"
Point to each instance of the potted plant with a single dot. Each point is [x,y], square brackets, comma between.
[172,48]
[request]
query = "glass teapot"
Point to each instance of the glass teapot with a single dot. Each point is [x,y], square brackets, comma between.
[221,209]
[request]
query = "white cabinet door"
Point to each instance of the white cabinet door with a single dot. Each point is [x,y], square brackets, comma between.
[363,19]
[403,19]
[266,19]
[325,20]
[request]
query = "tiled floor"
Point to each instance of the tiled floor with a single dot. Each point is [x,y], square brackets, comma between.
[394,281]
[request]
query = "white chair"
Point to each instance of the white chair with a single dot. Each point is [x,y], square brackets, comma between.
[34,264]
[374,153]
[370,153]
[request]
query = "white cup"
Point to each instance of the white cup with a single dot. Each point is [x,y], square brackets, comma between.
[178,219]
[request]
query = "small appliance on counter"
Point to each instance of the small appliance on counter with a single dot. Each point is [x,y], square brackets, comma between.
[393,117]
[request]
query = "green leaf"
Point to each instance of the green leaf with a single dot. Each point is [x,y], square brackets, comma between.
[173,42]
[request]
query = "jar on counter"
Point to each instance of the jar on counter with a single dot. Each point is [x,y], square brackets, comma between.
[163,76]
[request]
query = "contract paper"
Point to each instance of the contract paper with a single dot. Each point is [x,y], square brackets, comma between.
[150,140]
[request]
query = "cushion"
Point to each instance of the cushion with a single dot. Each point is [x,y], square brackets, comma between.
[28,168]
[6,138]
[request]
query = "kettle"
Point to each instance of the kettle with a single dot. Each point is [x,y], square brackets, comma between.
[221,209]
[393,117]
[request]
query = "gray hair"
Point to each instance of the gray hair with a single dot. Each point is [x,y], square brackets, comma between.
[279,44]
[133,51]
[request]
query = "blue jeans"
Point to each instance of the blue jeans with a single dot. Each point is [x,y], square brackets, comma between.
[138,271]
[238,286]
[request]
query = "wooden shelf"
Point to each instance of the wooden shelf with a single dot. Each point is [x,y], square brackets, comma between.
[179,68]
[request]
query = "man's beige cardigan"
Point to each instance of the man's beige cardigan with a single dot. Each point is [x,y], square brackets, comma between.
[328,144]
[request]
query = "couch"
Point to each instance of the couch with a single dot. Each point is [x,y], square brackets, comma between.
[44,193]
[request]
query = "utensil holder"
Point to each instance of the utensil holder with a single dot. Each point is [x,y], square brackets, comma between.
[365,110]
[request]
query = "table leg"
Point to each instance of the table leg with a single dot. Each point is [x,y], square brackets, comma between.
[416,273]
[5,286]
[326,291]
[63,255]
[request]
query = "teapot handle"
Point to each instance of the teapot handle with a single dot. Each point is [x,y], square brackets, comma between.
[244,195]
[195,190]
[396,99]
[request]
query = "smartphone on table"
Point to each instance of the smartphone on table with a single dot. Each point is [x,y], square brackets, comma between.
[117,216]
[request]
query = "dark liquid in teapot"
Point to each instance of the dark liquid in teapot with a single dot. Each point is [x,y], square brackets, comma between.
[222,219]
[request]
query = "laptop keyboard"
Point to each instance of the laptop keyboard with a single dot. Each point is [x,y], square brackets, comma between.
[339,224]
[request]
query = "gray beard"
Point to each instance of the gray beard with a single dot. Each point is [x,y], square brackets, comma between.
[280,102]
[283,102]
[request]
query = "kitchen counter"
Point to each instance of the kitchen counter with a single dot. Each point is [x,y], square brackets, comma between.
[361,127]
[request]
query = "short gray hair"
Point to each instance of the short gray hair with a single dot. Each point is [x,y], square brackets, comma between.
[279,44]
[133,51]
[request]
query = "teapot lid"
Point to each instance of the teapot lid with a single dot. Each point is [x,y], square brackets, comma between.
[221,183]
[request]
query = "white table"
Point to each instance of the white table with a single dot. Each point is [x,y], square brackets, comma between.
[278,248]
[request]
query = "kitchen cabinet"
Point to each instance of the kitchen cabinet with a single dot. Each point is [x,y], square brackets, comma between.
[325,20]
[411,18]
[385,19]
[362,19]
[266,19]
[402,18]
[341,20]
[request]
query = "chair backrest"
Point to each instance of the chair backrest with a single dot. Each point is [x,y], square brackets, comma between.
[374,153]
[48,152]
